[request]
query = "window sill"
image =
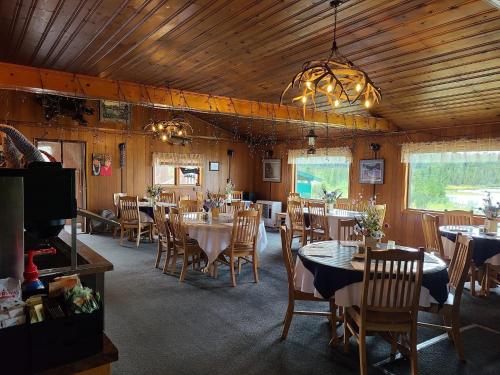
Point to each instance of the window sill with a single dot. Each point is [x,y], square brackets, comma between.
[416,211]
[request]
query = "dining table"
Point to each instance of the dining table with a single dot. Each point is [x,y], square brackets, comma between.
[330,269]
[214,235]
[486,245]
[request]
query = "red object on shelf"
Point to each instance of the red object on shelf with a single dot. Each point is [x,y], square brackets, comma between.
[31,270]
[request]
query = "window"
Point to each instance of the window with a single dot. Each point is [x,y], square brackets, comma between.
[164,174]
[328,168]
[189,175]
[452,180]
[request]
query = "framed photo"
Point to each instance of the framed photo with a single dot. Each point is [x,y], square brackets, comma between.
[101,165]
[271,170]
[115,111]
[371,171]
[213,166]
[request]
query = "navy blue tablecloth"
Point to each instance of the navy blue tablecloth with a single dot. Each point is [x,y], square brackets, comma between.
[328,279]
[484,248]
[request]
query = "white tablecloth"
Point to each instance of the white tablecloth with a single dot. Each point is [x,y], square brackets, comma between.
[161,204]
[334,217]
[216,237]
[449,249]
[349,295]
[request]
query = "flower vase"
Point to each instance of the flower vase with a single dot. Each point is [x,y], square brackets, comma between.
[330,207]
[215,212]
[370,242]
[230,197]
[490,225]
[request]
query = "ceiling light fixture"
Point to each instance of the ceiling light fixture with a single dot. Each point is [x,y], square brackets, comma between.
[311,142]
[336,78]
[175,131]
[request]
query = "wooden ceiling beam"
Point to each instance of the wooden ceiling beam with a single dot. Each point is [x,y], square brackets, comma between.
[25,78]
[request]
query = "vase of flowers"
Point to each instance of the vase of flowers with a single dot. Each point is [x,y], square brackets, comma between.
[491,213]
[213,202]
[154,192]
[330,197]
[369,226]
[229,190]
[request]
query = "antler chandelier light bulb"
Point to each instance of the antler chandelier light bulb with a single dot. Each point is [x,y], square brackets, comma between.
[337,79]
[174,131]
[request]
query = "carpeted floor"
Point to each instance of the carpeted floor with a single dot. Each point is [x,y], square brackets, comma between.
[205,326]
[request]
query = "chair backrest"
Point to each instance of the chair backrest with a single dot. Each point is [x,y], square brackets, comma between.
[234,207]
[184,197]
[344,204]
[392,281]
[167,197]
[129,209]
[200,196]
[459,266]
[345,230]
[116,201]
[237,195]
[381,210]
[317,216]
[287,256]
[295,213]
[430,227]
[176,225]
[245,229]
[458,217]
[161,222]
[361,206]
[188,205]
[294,196]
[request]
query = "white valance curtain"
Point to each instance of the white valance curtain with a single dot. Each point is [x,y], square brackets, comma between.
[177,160]
[460,151]
[322,156]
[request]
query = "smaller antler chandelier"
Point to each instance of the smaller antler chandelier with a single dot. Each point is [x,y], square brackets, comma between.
[176,131]
[336,78]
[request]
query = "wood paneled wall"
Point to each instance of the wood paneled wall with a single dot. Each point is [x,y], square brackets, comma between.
[405,224]
[22,111]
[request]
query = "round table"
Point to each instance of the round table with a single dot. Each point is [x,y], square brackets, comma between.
[147,207]
[327,269]
[213,238]
[486,247]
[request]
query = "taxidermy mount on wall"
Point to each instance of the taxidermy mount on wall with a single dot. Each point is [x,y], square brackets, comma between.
[54,106]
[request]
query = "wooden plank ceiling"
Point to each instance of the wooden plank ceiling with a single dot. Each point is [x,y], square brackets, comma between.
[437,62]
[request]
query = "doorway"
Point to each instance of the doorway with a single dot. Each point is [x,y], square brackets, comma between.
[72,155]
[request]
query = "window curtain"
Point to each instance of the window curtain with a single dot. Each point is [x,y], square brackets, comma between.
[322,156]
[460,151]
[177,160]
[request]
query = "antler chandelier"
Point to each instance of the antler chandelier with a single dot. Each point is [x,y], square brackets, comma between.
[176,131]
[336,78]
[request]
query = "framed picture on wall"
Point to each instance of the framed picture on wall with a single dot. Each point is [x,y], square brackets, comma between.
[115,111]
[101,165]
[371,171]
[213,166]
[271,170]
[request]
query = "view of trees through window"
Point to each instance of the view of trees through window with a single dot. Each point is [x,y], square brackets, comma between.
[453,185]
[310,179]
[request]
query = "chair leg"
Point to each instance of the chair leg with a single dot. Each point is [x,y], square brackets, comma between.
[347,333]
[185,265]
[255,270]
[167,259]
[413,350]
[288,318]
[158,254]
[138,239]
[304,238]
[239,265]
[363,370]
[121,235]
[333,321]
[473,281]
[457,338]
[173,266]
[231,266]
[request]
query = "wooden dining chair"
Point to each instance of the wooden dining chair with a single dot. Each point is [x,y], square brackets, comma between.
[294,196]
[244,241]
[167,197]
[165,244]
[432,237]
[188,205]
[491,276]
[237,195]
[182,244]
[458,217]
[344,204]
[450,310]
[234,207]
[345,230]
[389,303]
[295,294]
[131,221]
[116,202]
[295,212]
[318,227]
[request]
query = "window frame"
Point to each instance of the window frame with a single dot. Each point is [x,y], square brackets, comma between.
[175,176]
[178,177]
